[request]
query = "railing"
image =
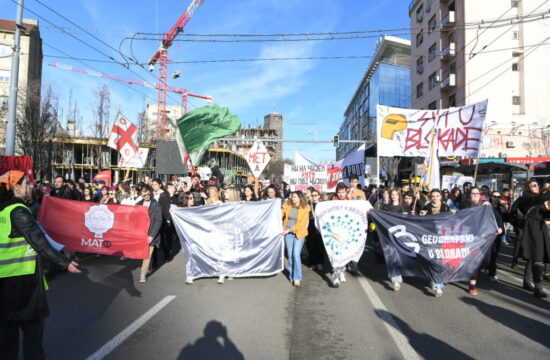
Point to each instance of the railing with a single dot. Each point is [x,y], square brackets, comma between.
[449,82]
[449,51]
[449,19]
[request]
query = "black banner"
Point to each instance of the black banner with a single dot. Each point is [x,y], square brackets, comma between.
[442,248]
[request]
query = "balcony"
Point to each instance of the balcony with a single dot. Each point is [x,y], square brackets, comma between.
[449,82]
[449,20]
[449,52]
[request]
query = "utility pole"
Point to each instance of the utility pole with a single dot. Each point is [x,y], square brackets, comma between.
[14,82]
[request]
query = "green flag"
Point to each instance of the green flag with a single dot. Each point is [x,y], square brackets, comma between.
[199,128]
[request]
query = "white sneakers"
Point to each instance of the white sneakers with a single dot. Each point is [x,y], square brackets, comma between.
[396,286]
[221,279]
[143,278]
[438,292]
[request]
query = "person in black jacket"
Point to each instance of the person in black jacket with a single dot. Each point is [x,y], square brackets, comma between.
[23,304]
[61,190]
[535,242]
[155,218]
[498,210]
[314,240]
[168,232]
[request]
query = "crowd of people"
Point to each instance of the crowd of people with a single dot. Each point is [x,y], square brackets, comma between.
[523,220]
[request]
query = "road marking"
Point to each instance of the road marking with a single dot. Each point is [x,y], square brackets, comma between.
[395,331]
[126,333]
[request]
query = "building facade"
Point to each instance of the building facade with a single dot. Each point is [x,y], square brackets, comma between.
[30,70]
[276,122]
[469,51]
[149,122]
[386,81]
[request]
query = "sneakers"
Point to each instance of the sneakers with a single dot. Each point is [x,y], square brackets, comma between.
[297,283]
[438,292]
[396,286]
[143,278]
[493,279]
[342,277]
[189,280]
[221,280]
[335,280]
[472,290]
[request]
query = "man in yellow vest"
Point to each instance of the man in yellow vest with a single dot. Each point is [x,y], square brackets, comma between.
[23,303]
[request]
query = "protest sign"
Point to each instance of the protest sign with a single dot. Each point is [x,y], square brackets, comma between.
[108,229]
[231,239]
[137,161]
[258,158]
[21,163]
[354,164]
[302,177]
[343,226]
[442,248]
[450,181]
[408,132]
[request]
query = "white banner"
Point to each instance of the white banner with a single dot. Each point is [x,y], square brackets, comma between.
[450,181]
[343,226]
[232,239]
[137,161]
[407,132]
[301,177]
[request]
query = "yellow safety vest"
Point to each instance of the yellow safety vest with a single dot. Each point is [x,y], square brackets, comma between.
[17,257]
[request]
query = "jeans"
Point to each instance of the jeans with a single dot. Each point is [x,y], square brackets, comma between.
[397,279]
[294,249]
[437,285]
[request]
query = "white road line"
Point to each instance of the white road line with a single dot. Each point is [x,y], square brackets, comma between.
[393,328]
[132,328]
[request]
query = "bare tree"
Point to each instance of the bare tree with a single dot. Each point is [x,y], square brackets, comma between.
[100,126]
[390,165]
[37,127]
[274,171]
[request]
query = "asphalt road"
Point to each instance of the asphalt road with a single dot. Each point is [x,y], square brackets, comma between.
[266,318]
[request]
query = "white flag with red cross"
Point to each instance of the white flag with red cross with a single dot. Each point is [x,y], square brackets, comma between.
[124,137]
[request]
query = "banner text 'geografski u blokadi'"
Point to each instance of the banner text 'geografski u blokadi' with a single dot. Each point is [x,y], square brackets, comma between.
[119,230]
[408,132]
[235,239]
[441,248]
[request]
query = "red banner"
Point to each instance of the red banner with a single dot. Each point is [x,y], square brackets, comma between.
[119,230]
[106,176]
[21,163]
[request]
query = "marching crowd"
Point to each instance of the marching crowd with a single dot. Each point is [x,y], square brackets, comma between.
[523,220]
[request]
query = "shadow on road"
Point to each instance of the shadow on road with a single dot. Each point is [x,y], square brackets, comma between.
[214,345]
[528,327]
[425,345]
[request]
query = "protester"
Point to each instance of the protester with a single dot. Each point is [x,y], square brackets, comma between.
[122,193]
[61,190]
[455,197]
[271,193]
[295,219]
[535,243]
[133,198]
[172,193]
[214,196]
[355,193]
[341,192]
[395,204]
[232,195]
[409,205]
[155,218]
[168,232]
[110,197]
[249,194]
[498,209]
[87,194]
[23,305]
[384,199]
[314,240]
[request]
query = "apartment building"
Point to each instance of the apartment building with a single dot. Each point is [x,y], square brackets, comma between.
[465,51]
[30,69]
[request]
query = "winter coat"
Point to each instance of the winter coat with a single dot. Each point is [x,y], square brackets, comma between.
[300,229]
[23,298]
[535,242]
[63,193]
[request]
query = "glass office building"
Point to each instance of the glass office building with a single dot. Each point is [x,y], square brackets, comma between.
[386,82]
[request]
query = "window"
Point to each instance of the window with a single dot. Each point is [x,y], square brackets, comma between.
[515,67]
[432,81]
[420,13]
[452,68]
[419,90]
[516,100]
[432,106]
[452,100]
[419,38]
[429,5]
[515,35]
[431,25]
[5,76]
[420,65]
[431,52]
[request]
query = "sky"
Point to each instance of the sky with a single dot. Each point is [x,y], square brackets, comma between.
[311,94]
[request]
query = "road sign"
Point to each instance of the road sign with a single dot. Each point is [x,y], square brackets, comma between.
[258,158]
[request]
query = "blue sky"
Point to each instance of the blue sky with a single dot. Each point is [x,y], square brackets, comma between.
[312,94]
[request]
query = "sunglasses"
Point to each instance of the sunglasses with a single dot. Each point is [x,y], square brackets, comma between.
[496,197]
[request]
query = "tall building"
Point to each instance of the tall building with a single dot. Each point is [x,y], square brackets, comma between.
[385,82]
[149,122]
[276,122]
[30,70]
[468,51]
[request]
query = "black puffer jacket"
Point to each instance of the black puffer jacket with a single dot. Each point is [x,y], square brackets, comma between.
[535,242]
[23,298]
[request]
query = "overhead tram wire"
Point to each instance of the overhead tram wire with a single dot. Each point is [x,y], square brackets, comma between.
[90,46]
[291,58]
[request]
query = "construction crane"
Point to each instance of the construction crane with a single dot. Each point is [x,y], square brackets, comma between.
[183,92]
[161,56]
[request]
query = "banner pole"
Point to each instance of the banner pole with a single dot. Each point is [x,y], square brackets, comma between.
[126,174]
[256,186]
[476,168]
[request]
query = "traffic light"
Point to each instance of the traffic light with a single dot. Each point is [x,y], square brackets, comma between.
[336,140]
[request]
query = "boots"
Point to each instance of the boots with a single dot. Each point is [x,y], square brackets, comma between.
[528,285]
[539,291]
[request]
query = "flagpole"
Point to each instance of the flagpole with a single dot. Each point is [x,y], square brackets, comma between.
[476,168]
